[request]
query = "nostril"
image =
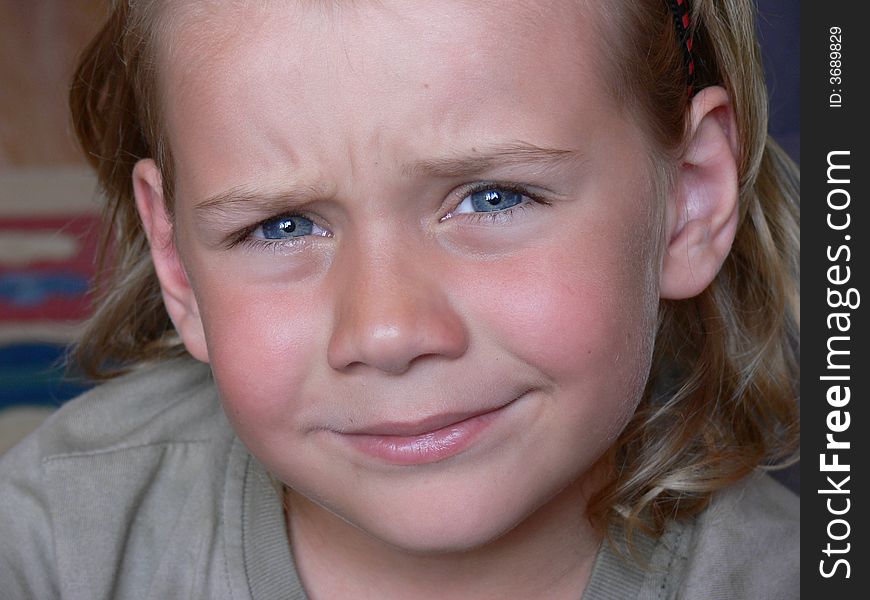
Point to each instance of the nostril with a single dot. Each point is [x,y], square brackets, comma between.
[396,341]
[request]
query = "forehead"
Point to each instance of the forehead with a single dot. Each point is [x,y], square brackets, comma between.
[197,25]
[450,68]
[387,39]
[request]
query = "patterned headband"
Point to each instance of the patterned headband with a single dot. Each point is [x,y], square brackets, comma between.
[680,12]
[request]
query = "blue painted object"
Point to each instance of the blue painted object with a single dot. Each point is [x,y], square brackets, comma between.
[24,289]
[34,374]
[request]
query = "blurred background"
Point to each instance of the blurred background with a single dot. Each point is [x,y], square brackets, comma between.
[49,200]
[48,205]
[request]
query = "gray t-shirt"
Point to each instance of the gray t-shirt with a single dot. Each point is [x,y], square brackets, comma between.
[140,489]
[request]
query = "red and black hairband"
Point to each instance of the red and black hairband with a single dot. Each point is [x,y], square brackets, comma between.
[680,13]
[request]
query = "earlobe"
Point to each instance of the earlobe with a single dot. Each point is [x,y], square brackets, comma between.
[702,216]
[178,296]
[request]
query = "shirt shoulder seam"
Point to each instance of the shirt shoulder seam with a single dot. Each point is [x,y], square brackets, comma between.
[112,450]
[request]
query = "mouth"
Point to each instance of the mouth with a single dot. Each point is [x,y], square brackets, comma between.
[425,441]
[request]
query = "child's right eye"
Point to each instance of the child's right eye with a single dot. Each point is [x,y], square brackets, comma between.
[286,227]
[276,232]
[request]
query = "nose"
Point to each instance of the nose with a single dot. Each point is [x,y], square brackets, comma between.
[392,311]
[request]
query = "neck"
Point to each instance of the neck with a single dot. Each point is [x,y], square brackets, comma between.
[550,554]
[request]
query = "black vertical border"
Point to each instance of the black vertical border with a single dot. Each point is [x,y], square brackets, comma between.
[825,129]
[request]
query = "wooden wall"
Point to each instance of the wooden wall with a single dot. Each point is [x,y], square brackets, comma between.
[39,41]
[48,201]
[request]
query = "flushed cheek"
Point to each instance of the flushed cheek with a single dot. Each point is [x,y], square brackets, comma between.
[580,318]
[260,348]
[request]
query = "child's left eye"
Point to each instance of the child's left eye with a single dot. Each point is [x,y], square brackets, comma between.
[489,200]
[494,203]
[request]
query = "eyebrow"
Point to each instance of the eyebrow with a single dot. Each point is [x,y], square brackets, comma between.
[253,200]
[248,199]
[485,159]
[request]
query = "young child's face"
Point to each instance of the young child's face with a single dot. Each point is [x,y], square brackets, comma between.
[475,233]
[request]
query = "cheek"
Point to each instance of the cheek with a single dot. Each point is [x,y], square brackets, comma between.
[261,348]
[582,315]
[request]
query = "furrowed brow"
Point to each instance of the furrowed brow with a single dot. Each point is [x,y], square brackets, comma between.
[485,159]
[245,200]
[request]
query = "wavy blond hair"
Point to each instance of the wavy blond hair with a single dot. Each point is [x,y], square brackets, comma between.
[721,398]
[722,394]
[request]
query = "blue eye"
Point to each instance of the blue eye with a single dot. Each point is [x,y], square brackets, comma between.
[489,200]
[285,227]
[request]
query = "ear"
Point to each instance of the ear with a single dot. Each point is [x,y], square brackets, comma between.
[702,216]
[178,295]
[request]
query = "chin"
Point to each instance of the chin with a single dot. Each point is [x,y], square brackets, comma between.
[445,533]
[455,522]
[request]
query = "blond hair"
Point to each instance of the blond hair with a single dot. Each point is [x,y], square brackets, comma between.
[721,399]
[721,395]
